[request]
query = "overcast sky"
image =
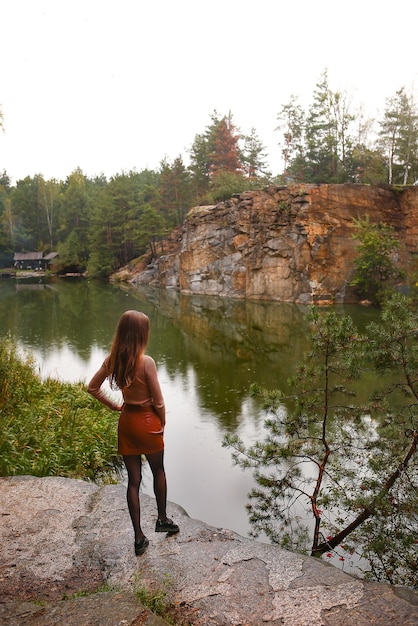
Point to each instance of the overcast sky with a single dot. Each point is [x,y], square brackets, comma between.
[114,86]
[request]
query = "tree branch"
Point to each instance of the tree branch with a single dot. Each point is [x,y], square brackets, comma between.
[368,511]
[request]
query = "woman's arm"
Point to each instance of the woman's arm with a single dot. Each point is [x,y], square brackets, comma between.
[94,388]
[155,389]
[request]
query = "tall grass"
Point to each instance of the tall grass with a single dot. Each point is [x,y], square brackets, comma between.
[51,428]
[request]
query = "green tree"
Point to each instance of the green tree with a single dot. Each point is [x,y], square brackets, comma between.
[200,166]
[116,222]
[151,228]
[7,242]
[302,440]
[175,191]
[321,148]
[224,184]
[317,146]
[29,218]
[48,197]
[374,268]
[291,118]
[124,194]
[328,139]
[340,457]
[389,534]
[75,206]
[71,254]
[7,229]
[254,159]
[368,165]
[398,137]
[103,241]
[5,184]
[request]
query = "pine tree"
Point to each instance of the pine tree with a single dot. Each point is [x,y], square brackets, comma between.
[214,152]
[224,153]
[317,147]
[351,465]
[254,158]
[175,190]
[291,120]
[398,137]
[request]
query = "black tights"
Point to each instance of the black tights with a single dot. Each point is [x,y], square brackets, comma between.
[133,464]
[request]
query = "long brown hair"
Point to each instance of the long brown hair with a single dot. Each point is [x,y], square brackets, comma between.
[128,346]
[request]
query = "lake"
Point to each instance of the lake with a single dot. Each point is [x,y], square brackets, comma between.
[208,352]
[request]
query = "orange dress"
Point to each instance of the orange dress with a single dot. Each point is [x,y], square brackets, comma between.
[140,427]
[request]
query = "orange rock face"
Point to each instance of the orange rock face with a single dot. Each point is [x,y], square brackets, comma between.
[292,244]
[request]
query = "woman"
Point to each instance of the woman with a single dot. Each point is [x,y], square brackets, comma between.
[142,416]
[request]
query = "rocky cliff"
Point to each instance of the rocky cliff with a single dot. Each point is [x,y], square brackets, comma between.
[291,244]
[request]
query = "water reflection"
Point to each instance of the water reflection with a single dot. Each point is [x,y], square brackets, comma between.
[217,346]
[208,351]
[230,344]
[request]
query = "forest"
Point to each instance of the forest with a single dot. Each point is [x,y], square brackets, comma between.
[100,224]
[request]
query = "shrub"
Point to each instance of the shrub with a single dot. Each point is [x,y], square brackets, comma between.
[51,428]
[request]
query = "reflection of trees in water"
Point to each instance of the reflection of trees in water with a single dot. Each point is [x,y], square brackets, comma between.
[230,344]
[65,312]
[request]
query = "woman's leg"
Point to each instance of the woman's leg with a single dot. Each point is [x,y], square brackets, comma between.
[156,463]
[133,465]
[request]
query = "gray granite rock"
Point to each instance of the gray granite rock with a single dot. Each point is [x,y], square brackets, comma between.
[59,537]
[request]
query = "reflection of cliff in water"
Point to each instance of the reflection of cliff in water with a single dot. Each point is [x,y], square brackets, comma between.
[234,343]
[240,330]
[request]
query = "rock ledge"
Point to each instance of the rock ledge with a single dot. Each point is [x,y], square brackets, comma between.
[61,536]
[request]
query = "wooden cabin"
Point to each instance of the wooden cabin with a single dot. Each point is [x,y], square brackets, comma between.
[34,261]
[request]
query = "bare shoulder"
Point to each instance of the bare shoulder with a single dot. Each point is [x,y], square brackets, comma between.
[148,361]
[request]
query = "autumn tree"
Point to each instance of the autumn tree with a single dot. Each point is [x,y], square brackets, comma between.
[224,152]
[214,152]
